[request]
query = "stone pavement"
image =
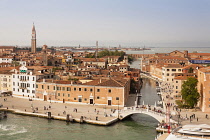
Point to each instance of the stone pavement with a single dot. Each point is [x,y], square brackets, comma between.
[59,109]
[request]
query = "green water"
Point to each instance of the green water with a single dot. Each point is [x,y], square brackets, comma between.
[31,128]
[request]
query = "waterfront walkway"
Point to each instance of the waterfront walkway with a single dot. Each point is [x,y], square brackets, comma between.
[94,114]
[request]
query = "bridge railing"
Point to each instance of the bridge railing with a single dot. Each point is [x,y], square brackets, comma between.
[141,110]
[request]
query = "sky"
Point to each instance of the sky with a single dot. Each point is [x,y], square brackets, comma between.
[129,23]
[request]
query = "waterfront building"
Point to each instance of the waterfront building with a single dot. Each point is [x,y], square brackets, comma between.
[24,79]
[6,79]
[33,40]
[99,92]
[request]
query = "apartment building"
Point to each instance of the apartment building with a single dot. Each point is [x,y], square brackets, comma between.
[24,79]
[169,70]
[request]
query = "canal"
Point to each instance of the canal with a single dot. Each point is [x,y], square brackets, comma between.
[138,126]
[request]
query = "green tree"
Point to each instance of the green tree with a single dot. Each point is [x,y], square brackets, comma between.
[190,70]
[189,92]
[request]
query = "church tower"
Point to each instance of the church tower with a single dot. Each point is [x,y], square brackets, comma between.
[33,40]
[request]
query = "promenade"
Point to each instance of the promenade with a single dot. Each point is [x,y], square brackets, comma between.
[93,114]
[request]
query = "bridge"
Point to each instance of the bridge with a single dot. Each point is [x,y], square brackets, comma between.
[159,116]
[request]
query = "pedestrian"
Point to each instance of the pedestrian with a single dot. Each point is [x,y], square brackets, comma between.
[95,109]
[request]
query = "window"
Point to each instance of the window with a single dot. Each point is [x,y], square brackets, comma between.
[68,95]
[98,97]
[91,90]
[13,76]
[179,70]
[13,83]
[53,87]
[63,88]
[33,85]
[33,78]
[63,94]
[80,89]
[176,81]
[85,99]
[75,98]
[42,86]
[85,89]
[168,69]
[68,89]
[176,87]
[117,98]
[48,87]
[22,90]
[75,89]
[28,85]
[173,69]
[36,86]
[110,90]
[58,88]
[98,90]
[58,94]
[167,74]
[33,91]
[28,91]
[13,89]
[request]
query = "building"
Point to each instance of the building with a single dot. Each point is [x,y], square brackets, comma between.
[99,92]
[33,40]
[204,88]
[24,79]
[169,70]
[6,50]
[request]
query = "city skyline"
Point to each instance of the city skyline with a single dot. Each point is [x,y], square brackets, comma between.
[152,23]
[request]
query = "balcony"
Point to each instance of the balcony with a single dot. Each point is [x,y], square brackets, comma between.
[22,87]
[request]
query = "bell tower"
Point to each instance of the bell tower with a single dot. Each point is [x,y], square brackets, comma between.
[33,40]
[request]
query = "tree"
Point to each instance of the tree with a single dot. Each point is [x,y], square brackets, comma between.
[189,92]
[190,70]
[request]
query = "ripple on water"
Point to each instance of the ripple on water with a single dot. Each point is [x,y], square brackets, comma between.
[11,130]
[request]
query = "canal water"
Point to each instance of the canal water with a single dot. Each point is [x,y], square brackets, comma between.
[138,126]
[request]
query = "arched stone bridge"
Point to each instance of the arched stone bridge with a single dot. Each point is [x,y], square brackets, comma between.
[160,117]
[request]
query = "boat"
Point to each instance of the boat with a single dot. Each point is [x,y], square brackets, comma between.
[190,131]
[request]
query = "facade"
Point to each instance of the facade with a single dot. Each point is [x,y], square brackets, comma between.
[99,92]
[204,88]
[6,59]
[24,79]
[169,70]
[33,40]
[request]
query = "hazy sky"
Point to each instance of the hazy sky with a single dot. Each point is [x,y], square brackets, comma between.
[157,23]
